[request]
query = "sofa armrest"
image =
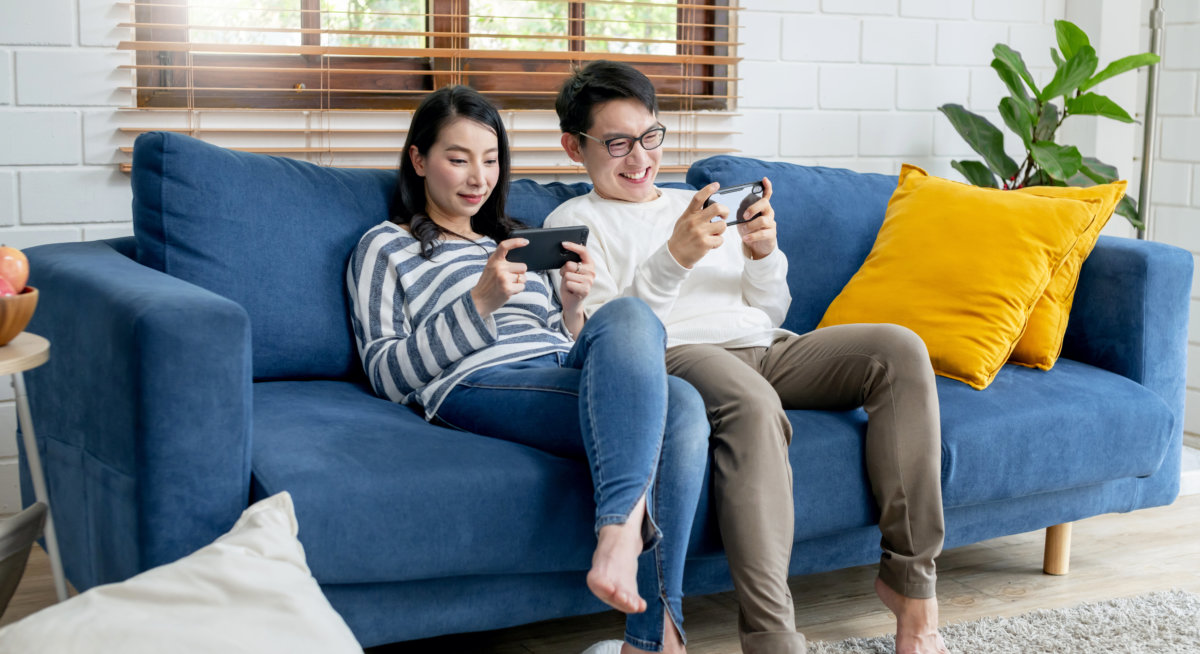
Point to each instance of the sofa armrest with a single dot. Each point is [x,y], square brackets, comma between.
[1130,315]
[142,413]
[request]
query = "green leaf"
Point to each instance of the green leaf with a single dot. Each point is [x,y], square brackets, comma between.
[1098,171]
[1128,207]
[1013,81]
[1092,104]
[1061,162]
[1074,72]
[976,173]
[1043,178]
[1070,38]
[983,137]
[1057,58]
[1012,59]
[1017,119]
[1047,123]
[1122,65]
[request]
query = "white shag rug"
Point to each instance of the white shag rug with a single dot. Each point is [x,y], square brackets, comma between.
[1156,623]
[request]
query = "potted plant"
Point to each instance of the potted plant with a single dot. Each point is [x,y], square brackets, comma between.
[1034,116]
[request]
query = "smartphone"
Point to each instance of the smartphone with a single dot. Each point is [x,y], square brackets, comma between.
[545,250]
[737,199]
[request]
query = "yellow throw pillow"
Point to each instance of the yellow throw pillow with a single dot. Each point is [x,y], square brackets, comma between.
[961,266]
[1043,339]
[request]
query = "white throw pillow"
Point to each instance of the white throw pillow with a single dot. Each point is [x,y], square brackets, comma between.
[250,591]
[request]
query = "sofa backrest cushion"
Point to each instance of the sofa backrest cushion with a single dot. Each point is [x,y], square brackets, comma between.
[272,234]
[827,220]
[530,202]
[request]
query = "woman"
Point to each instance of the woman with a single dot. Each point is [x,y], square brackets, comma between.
[444,321]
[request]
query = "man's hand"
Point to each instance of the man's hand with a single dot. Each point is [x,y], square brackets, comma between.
[696,233]
[501,278]
[577,278]
[758,235]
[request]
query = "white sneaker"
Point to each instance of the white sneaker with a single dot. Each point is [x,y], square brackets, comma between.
[605,647]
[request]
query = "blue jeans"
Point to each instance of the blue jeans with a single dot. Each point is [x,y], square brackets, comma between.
[643,433]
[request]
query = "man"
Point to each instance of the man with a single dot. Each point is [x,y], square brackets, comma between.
[722,296]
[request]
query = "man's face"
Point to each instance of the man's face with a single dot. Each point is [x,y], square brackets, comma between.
[629,177]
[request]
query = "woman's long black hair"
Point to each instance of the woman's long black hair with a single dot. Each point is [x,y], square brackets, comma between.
[408,202]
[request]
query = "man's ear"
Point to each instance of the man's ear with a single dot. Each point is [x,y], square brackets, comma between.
[570,143]
[418,161]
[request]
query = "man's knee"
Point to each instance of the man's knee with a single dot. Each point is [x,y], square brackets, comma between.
[756,422]
[901,351]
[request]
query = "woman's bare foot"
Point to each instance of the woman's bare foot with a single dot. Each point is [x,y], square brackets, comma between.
[916,622]
[672,643]
[613,577]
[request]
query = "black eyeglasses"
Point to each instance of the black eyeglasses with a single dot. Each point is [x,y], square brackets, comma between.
[623,145]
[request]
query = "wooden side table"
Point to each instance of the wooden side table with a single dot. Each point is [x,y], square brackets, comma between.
[26,352]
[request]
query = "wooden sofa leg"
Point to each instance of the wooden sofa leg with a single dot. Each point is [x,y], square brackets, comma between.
[1057,560]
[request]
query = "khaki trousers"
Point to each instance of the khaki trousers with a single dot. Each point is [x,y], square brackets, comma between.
[883,368]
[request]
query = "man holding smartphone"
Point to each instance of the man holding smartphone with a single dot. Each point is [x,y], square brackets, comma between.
[722,294]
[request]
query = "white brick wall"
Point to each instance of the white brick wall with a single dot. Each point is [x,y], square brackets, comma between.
[851,83]
[58,73]
[898,41]
[6,93]
[49,22]
[1175,194]
[8,198]
[817,38]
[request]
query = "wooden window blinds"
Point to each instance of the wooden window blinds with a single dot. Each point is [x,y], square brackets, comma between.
[334,81]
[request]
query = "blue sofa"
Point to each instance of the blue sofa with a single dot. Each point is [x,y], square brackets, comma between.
[208,361]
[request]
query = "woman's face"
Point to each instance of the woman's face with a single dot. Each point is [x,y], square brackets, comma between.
[460,169]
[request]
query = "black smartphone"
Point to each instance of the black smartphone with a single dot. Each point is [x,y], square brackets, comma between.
[545,250]
[737,199]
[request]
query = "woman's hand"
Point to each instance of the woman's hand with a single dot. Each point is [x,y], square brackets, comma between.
[501,279]
[758,235]
[577,278]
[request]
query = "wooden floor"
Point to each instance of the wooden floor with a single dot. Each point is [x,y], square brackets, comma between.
[1112,556]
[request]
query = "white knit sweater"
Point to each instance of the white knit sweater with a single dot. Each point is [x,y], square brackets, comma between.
[726,299]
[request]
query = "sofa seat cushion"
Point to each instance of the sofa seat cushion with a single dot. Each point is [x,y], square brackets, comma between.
[385,496]
[1030,432]
[1036,431]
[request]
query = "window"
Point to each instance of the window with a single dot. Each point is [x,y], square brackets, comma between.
[385,54]
[355,55]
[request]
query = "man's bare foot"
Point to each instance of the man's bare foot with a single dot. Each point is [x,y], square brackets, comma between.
[916,622]
[613,577]
[672,643]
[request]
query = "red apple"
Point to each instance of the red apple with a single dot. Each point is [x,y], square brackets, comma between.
[6,289]
[14,268]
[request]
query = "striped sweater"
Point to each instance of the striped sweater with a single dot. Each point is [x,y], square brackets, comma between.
[417,328]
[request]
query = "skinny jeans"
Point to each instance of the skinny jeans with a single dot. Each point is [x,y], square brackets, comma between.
[643,434]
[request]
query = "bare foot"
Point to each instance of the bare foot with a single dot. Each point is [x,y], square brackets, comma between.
[672,643]
[916,622]
[613,577]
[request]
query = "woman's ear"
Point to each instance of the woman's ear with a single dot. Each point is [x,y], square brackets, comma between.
[418,161]
[570,143]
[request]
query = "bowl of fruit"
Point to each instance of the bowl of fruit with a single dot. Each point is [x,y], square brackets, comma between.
[17,301]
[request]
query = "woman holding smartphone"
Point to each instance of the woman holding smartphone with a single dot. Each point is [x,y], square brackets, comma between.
[444,321]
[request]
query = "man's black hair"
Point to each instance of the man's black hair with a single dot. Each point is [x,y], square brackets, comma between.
[597,83]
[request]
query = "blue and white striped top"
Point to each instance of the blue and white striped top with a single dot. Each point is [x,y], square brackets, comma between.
[417,328]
